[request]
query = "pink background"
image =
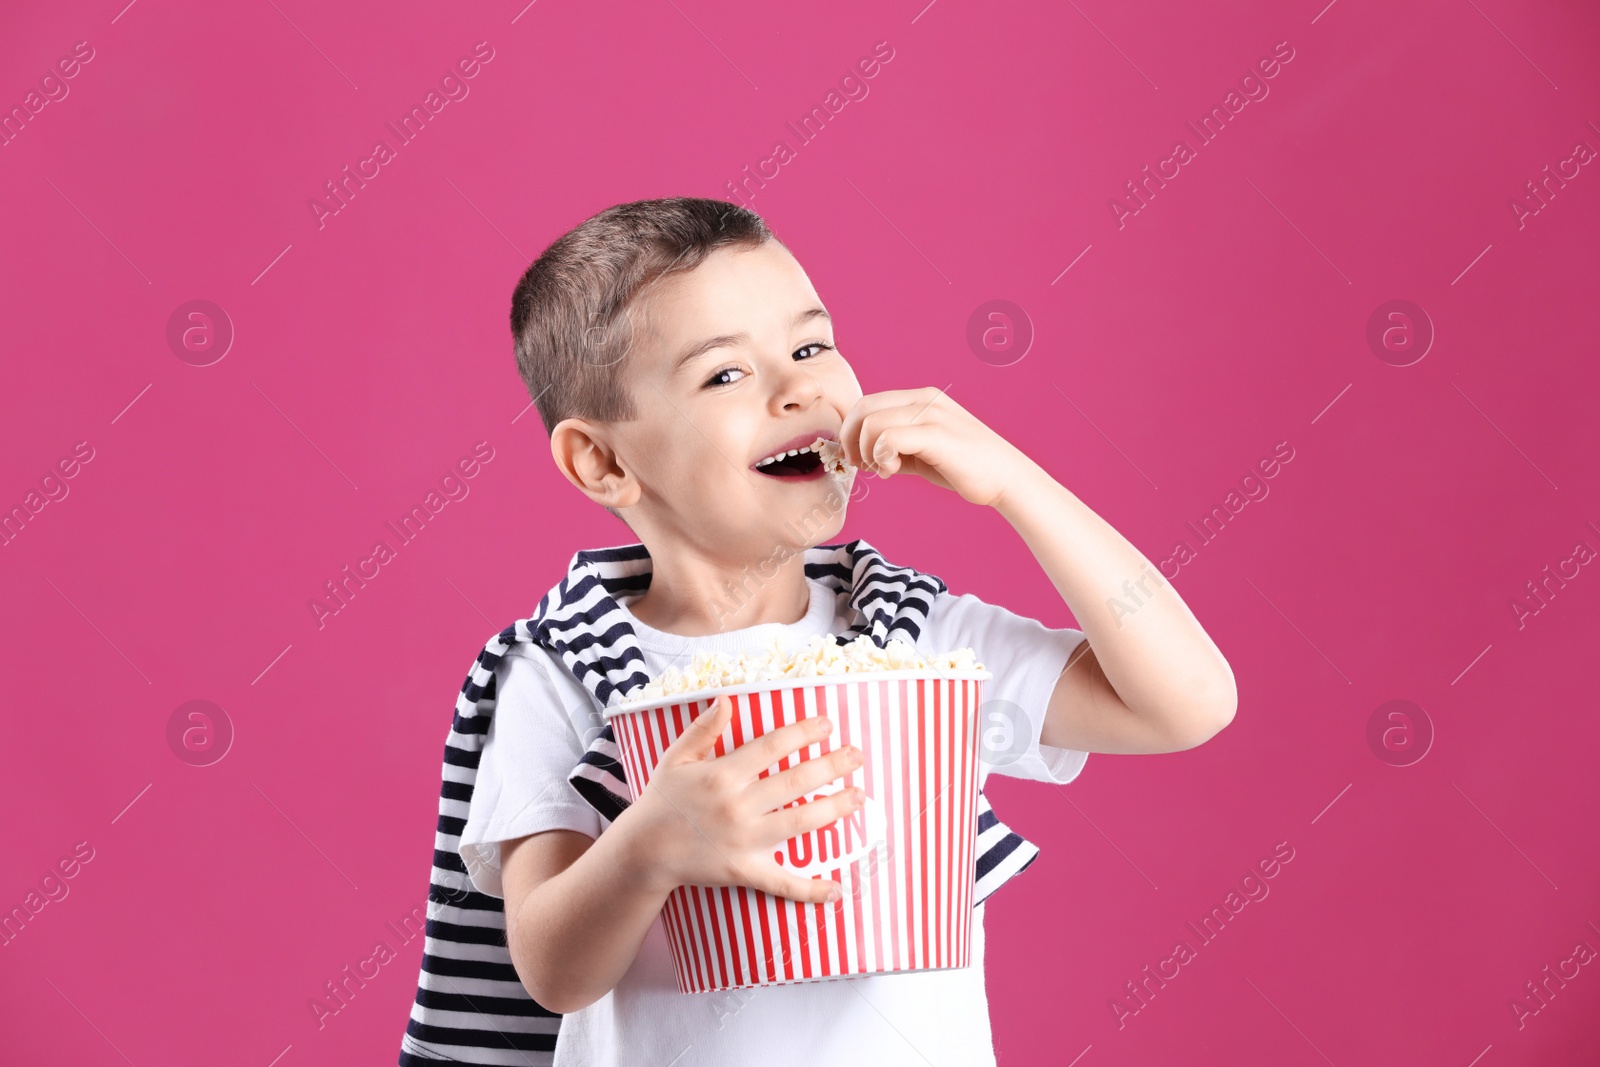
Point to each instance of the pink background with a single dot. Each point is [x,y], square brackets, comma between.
[1228,315]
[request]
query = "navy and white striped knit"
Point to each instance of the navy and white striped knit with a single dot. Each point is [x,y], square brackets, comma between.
[471,1007]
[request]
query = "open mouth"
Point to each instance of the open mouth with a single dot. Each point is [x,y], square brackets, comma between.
[822,457]
[797,463]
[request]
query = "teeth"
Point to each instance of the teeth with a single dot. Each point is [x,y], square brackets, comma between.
[792,452]
[832,453]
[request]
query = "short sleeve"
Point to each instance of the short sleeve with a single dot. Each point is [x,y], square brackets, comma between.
[1026,658]
[521,787]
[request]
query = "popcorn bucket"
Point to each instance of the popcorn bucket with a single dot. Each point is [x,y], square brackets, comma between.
[904,860]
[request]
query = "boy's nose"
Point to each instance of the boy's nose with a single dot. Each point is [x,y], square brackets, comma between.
[799,388]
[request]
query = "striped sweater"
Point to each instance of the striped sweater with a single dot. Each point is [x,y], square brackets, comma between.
[470,1006]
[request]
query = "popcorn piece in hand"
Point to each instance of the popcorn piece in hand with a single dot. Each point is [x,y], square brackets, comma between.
[821,656]
[832,455]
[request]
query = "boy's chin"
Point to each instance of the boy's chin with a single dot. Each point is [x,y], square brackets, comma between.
[818,522]
[828,490]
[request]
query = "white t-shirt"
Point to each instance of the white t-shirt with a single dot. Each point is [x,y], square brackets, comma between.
[542,723]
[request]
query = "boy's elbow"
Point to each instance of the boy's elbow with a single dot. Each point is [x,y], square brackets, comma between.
[541,979]
[1212,725]
[556,1004]
[548,995]
[1210,718]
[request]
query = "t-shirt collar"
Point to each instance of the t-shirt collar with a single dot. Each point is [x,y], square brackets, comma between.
[820,616]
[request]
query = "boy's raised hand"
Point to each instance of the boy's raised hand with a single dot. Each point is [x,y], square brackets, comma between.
[924,432]
[711,820]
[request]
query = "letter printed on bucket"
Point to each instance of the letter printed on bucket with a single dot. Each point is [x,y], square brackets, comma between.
[816,852]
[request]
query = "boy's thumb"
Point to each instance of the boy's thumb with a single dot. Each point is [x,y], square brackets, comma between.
[701,734]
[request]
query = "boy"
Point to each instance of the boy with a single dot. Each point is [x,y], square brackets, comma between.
[672,347]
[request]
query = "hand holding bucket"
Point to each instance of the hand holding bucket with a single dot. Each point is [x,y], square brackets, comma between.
[756,828]
[722,825]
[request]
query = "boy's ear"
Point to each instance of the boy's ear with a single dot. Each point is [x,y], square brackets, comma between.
[584,454]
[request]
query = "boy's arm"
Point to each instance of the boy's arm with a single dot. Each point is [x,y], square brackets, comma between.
[577,910]
[1147,678]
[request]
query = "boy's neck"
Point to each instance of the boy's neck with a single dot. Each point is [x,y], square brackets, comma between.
[695,597]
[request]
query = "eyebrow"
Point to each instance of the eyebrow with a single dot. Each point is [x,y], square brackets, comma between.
[700,348]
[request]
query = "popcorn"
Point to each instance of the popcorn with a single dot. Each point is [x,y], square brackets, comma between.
[832,455]
[821,656]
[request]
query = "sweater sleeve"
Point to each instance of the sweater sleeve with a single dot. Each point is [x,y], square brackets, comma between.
[1026,658]
[532,745]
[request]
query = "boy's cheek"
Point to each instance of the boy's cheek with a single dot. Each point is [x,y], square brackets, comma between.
[848,388]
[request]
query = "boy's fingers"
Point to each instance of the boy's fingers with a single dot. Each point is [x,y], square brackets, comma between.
[917,401]
[755,756]
[896,425]
[786,823]
[775,790]
[894,443]
[850,429]
[805,890]
[701,735]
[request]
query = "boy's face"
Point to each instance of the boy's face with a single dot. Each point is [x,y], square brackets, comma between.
[761,374]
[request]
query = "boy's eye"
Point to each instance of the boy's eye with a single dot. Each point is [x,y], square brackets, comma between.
[715,379]
[825,346]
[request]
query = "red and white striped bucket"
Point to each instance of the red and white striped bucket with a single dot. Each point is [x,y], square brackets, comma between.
[904,860]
